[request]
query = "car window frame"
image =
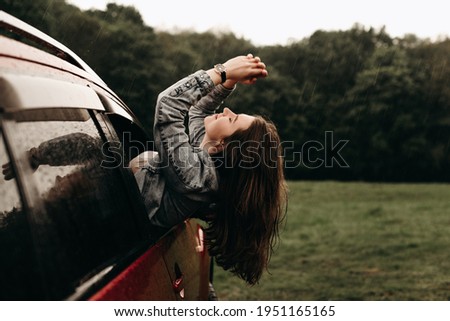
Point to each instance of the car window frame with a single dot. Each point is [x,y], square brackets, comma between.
[29,195]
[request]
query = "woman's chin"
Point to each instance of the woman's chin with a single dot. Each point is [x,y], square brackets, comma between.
[209,119]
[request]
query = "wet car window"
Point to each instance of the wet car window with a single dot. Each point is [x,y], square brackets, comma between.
[8,189]
[82,214]
[133,139]
[18,273]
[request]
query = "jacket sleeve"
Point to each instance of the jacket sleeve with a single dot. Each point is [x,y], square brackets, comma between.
[186,168]
[205,107]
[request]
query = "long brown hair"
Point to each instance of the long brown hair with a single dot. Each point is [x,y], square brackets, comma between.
[244,229]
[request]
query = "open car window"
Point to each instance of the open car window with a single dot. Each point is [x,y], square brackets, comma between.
[82,218]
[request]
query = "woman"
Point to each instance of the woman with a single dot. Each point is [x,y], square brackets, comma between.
[228,170]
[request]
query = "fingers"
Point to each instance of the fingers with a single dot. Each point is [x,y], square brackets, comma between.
[7,172]
[246,69]
[261,65]
[257,73]
[253,59]
[256,61]
[257,69]
[250,56]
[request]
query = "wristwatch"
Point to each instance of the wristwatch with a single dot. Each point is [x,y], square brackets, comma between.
[222,71]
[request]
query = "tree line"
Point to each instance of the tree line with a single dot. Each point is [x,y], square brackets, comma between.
[355,104]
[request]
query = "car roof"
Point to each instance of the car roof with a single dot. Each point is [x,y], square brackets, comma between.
[56,77]
[19,27]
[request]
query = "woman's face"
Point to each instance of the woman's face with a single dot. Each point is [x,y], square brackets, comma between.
[223,125]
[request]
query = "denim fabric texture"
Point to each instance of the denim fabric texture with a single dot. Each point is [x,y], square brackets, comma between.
[181,180]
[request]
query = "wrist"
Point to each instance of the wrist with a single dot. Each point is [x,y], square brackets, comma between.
[229,84]
[216,79]
[221,70]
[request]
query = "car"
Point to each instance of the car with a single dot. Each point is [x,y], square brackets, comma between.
[73,225]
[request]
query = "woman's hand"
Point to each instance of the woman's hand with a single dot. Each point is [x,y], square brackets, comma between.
[243,69]
[8,171]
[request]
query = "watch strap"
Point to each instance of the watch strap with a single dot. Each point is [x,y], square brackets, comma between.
[222,71]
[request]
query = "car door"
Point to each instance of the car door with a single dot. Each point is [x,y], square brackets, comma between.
[79,213]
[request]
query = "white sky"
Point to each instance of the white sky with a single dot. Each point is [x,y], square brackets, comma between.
[277,22]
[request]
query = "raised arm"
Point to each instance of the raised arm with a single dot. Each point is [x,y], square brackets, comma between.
[187,167]
[208,105]
[182,164]
[244,69]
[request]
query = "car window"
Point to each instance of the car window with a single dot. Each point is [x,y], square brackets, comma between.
[83,217]
[18,268]
[132,138]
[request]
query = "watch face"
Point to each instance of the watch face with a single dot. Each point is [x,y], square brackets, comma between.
[222,71]
[220,67]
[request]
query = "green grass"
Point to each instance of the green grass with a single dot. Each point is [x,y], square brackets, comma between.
[356,241]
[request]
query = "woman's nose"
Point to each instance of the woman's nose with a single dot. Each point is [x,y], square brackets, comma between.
[227,112]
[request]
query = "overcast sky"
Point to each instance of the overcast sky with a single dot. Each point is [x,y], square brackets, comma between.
[279,21]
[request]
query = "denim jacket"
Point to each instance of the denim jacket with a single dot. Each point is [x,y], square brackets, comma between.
[181,180]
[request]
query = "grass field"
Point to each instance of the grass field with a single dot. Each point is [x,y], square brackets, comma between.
[356,241]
